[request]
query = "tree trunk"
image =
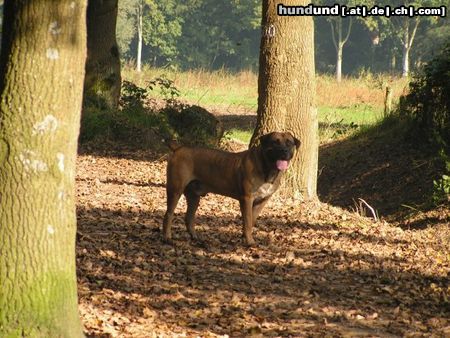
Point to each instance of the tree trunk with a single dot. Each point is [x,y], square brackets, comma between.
[339,41]
[339,48]
[393,62]
[103,80]
[405,68]
[407,42]
[139,30]
[286,88]
[339,63]
[41,83]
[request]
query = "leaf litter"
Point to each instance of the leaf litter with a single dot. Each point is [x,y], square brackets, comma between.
[318,270]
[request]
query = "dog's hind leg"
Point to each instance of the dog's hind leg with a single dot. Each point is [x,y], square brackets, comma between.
[193,200]
[172,201]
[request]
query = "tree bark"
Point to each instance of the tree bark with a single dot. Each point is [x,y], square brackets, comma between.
[286,91]
[103,79]
[41,82]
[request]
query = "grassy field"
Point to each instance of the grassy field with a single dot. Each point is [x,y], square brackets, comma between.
[343,107]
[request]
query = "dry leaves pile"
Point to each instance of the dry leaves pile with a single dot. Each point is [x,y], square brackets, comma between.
[318,270]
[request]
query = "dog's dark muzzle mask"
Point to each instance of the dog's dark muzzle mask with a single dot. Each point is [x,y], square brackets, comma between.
[278,149]
[280,156]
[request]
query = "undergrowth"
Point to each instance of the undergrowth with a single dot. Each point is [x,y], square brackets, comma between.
[142,119]
[428,105]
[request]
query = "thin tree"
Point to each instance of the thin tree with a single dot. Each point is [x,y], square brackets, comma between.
[41,82]
[407,41]
[339,40]
[103,79]
[139,15]
[341,28]
[404,29]
[286,91]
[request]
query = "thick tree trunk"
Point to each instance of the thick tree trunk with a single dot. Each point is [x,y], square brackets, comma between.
[139,30]
[286,88]
[41,83]
[103,80]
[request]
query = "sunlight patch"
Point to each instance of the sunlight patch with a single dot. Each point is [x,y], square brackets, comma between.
[52,54]
[50,229]
[60,157]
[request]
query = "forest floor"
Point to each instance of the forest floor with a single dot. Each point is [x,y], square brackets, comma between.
[318,270]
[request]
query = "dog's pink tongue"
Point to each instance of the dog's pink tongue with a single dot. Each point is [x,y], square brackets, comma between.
[282,164]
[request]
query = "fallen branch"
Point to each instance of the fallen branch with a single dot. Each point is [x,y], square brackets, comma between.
[374,214]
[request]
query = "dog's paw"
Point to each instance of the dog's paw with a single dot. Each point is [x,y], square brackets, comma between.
[249,242]
[194,236]
[200,244]
[168,241]
[198,241]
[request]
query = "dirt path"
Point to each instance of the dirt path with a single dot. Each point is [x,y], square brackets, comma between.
[318,271]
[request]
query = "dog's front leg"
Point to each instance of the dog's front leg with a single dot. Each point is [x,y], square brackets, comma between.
[246,204]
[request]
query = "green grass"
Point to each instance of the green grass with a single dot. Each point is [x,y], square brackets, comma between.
[240,135]
[334,123]
[357,114]
[343,108]
[204,88]
[340,122]
[233,97]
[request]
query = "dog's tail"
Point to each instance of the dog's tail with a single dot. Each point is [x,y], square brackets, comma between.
[173,145]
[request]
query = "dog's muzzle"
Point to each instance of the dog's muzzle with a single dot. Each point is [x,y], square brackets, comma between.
[282,158]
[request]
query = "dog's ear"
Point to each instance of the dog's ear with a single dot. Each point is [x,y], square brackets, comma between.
[296,141]
[264,140]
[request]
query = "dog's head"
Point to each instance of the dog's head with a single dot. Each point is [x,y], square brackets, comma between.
[278,148]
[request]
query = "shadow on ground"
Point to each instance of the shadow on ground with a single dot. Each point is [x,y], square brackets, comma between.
[387,169]
[239,122]
[223,288]
[383,167]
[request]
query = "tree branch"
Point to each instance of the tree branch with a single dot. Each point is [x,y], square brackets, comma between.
[348,31]
[413,34]
[332,35]
[372,210]
[399,26]
[406,35]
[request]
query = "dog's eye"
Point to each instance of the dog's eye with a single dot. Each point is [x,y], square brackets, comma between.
[288,143]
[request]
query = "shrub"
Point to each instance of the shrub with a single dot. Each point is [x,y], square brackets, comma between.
[429,99]
[141,119]
[96,123]
[194,125]
[441,190]
[428,103]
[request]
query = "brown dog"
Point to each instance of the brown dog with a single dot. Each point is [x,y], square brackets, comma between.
[251,177]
